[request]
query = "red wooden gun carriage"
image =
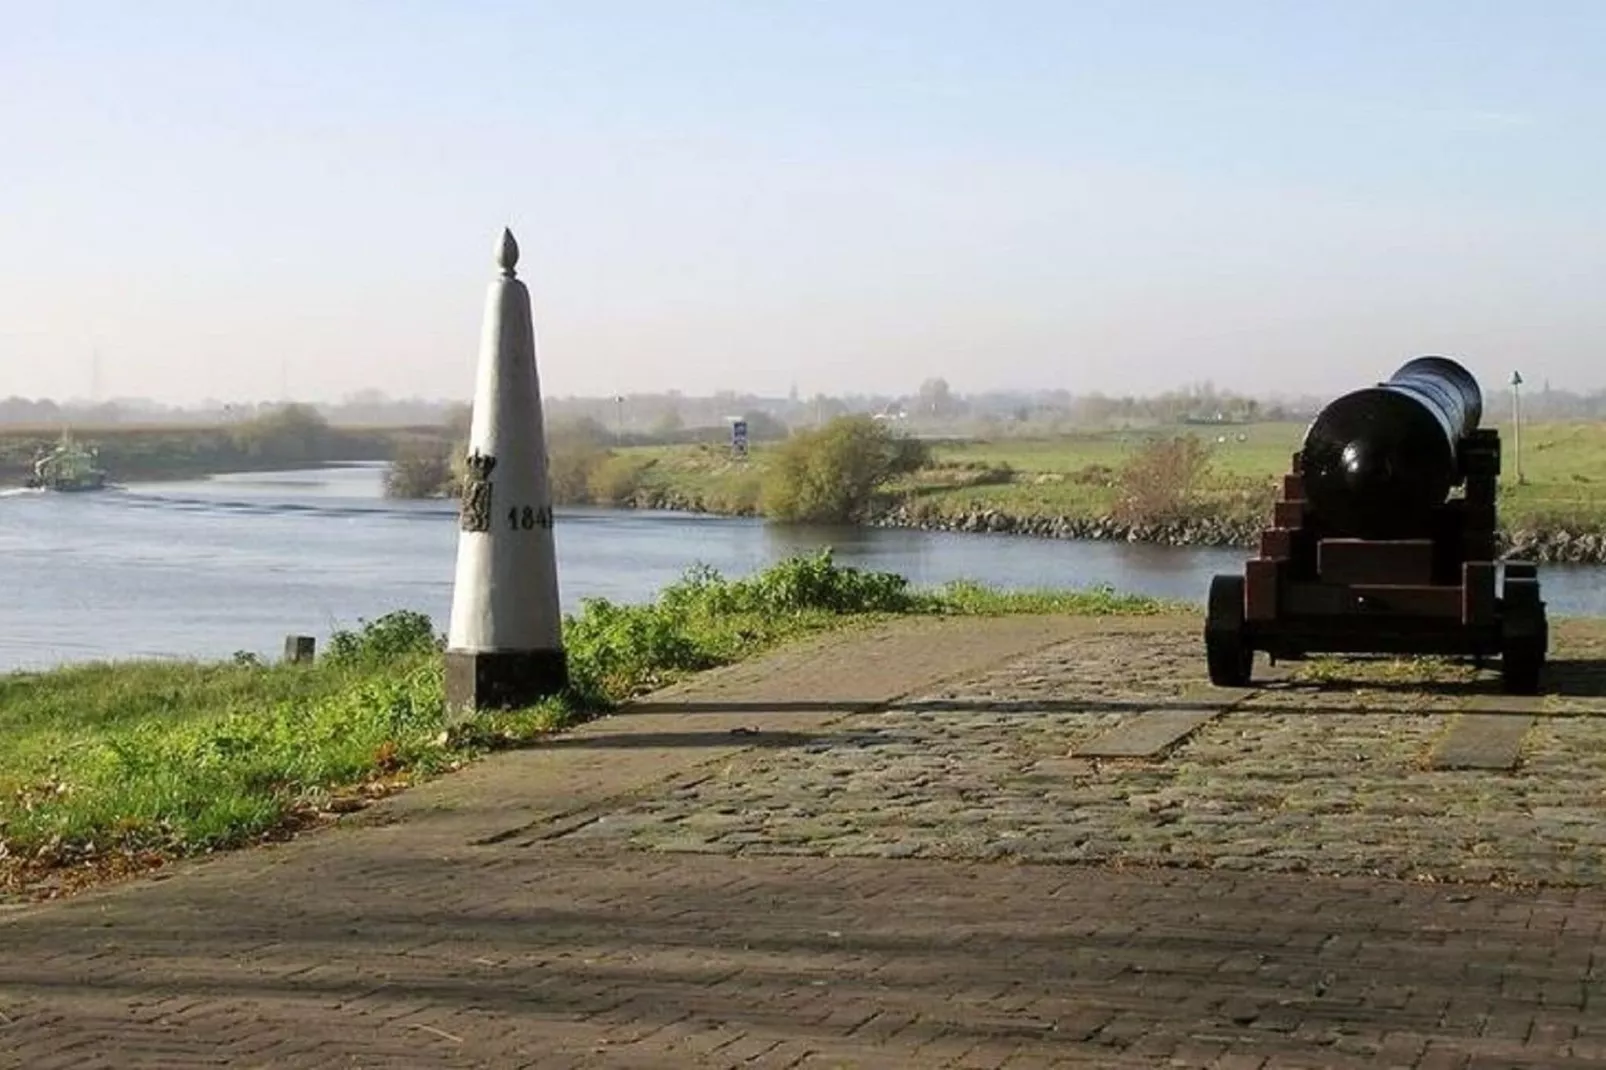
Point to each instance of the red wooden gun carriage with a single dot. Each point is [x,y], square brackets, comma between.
[1370,552]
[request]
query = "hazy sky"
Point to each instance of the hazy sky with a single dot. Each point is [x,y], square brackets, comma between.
[1123,195]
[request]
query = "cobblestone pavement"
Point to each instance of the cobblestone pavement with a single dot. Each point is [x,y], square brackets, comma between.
[1325,770]
[585,904]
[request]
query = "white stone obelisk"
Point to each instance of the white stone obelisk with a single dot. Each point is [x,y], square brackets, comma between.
[505,644]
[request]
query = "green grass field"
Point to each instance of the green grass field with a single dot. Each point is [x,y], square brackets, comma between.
[1563,465]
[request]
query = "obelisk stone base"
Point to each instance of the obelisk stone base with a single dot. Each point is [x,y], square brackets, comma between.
[477,681]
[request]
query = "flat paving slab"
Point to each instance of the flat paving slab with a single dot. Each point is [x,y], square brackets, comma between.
[1483,741]
[916,874]
[1148,734]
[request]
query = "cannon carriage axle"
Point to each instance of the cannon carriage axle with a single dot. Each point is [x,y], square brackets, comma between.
[1369,554]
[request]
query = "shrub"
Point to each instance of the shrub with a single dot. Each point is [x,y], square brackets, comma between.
[743,496]
[394,636]
[797,585]
[422,468]
[832,474]
[704,620]
[1161,481]
[615,479]
[1248,498]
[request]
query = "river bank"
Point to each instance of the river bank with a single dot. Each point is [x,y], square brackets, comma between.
[1074,487]
[293,437]
[1559,545]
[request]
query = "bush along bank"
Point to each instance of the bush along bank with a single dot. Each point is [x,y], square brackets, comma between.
[111,769]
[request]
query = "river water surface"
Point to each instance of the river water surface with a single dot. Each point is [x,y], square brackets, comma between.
[205,568]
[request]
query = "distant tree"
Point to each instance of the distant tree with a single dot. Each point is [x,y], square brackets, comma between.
[575,451]
[582,429]
[366,398]
[831,474]
[669,421]
[762,427]
[19,410]
[289,433]
[457,420]
[935,399]
[823,407]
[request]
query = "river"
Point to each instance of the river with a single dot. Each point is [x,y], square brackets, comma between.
[203,568]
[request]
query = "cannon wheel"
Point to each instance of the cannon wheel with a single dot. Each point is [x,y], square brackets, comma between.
[1524,636]
[1227,651]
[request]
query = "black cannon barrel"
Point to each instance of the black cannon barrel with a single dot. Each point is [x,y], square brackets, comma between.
[1377,461]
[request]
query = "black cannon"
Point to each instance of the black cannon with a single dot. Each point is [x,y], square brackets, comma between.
[1377,461]
[1371,550]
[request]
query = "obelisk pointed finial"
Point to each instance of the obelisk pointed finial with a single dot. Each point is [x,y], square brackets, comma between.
[507,253]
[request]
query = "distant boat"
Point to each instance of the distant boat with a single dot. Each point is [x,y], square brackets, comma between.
[68,467]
